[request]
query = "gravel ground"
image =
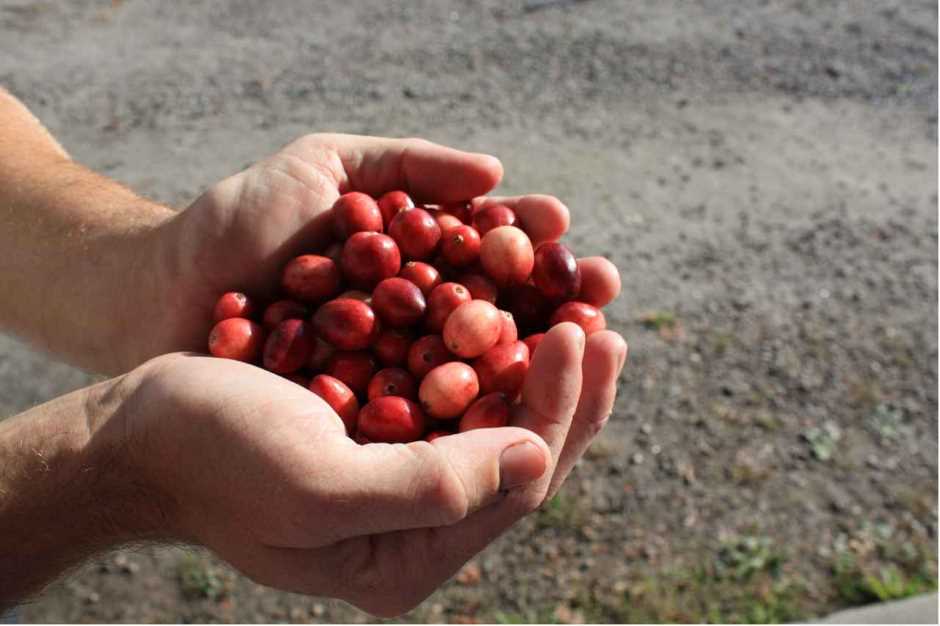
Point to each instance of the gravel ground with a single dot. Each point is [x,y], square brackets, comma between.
[762,173]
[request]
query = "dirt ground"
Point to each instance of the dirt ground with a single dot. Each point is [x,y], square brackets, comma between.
[762,173]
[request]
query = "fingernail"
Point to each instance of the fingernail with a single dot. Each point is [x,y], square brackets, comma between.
[520,464]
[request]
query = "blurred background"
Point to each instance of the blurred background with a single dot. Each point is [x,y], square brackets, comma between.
[762,173]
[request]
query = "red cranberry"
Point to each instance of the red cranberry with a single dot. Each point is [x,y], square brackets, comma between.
[503,368]
[416,233]
[508,332]
[493,216]
[391,419]
[472,329]
[448,390]
[446,220]
[232,304]
[355,212]
[532,342]
[236,338]
[288,347]
[392,203]
[556,272]
[282,310]
[340,398]
[320,354]
[435,434]
[441,303]
[392,347]
[587,316]
[370,257]
[355,369]
[427,353]
[393,381]
[310,278]
[346,323]
[480,287]
[528,306]
[398,302]
[463,210]
[506,255]
[489,411]
[460,246]
[421,274]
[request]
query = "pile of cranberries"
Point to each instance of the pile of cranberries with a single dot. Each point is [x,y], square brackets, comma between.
[409,325]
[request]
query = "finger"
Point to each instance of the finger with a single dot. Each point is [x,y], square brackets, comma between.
[600,281]
[543,218]
[427,171]
[604,356]
[380,488]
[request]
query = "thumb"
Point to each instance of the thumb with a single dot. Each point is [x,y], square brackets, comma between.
[421,484]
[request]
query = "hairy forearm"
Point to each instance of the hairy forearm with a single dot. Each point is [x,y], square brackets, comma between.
[73,242]
[67,489]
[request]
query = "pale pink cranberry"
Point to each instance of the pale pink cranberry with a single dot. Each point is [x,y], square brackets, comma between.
[427,353]
[445,298]
[393,202]
[398,302]
[490,411]
[282,310]
[556,272]
[416,233]
[507,256]
[480,287]
[472,329]
[392,346]
[347,324]
[310,278]
[393,381]
[340,398]
[425,276]
[236,338]
[370,257]
[391,419]
[508,333]
[493,216]
[460,246]
[355,212]
[446,220]
[587,316]
[447,390]
[355,369]
[503,368]
[288,346]
[233,304]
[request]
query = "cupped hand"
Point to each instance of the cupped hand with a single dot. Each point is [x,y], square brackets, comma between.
[242,231]
[260,470]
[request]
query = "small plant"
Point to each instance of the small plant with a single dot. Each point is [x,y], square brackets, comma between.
[561,511]
[659,320]
[743,557]
[822,440]
[198,579]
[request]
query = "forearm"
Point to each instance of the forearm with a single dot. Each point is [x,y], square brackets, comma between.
[73,244]
[67,489]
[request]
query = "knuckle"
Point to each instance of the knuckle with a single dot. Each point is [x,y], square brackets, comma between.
[439,486]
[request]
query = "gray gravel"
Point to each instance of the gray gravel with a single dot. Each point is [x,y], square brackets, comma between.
[764,172]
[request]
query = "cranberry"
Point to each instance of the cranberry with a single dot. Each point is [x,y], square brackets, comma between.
[310,278]
[391,419]
[441,303]
[528,306]
[288,346]
[393,381]
[480,287]
[506,255]
[435,434]
[282,310]
[532,342]
[392,203]
[463,210]
[587,316]
[472,329]
[346,323]
[416,233]
[427,353]
[461,246]
[356,294]
[236,338]
[355,212]
[370,257]
[489,411]
[503,368]
[320,354]
[340,398]
[493,216]
[398,302]
[556,272]
[421,274]
[448,390]
[355,369]
[232,304]
[446,220]
[392,347]
[508,332]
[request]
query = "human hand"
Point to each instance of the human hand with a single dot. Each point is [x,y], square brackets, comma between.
[242,231]
[261,471]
